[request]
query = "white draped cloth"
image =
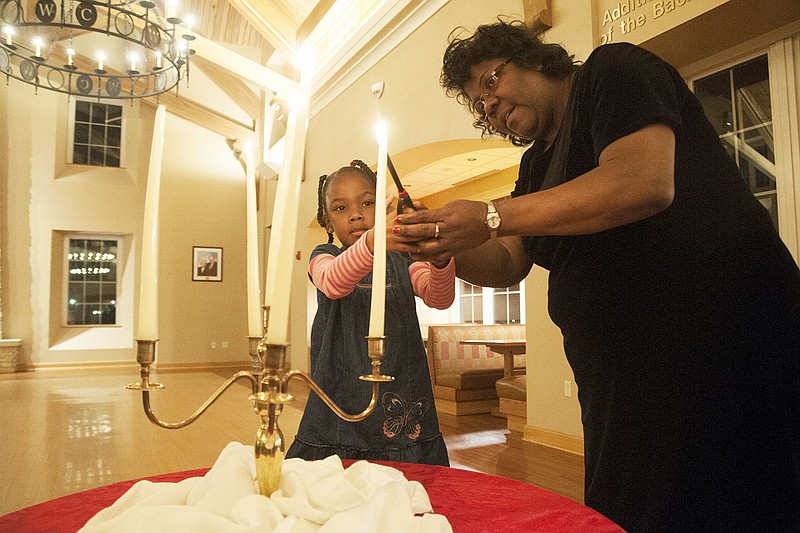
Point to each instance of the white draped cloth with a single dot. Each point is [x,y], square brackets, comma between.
[318,496]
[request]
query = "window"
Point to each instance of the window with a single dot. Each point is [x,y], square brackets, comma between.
[737,100]
[507,307]
[96,134]
[471,300]
[92,282]
[483,305]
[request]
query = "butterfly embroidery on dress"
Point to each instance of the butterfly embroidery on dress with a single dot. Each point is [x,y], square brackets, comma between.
[402,418]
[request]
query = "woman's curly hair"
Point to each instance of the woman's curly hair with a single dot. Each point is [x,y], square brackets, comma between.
[357,166]
[503,39]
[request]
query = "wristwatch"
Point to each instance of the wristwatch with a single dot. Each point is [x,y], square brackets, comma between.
[492,219]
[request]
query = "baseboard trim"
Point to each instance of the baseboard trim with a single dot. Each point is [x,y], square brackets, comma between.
[164,368]
[175,368]
[553,439]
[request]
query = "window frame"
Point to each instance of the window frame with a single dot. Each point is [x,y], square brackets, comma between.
[488,295]
[782,48]
[71,130]
[65,303]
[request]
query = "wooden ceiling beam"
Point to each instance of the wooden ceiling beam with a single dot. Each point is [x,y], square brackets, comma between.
[314,18]
[204,117]
[262,17]
[239,91]
[243,67]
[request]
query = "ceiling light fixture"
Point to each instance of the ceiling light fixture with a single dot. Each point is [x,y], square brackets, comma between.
[116,50]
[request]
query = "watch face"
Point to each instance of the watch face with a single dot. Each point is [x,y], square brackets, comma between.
[493,222]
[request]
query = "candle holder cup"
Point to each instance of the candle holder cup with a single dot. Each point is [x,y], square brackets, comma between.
[269,381]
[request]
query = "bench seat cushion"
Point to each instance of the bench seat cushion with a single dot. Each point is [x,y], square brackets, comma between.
[512,387]
[470,379]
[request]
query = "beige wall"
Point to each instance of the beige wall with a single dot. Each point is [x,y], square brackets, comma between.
[202,203]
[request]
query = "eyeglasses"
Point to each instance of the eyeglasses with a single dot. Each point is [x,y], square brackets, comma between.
[488,87]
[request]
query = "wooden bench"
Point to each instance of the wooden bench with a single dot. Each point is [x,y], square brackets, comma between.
[513,401]
[464,376]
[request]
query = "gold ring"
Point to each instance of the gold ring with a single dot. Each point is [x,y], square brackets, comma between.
[436,233]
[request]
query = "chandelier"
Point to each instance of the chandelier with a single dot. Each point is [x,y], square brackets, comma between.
[118,50]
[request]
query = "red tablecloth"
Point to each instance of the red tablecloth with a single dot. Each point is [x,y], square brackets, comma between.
[471,501]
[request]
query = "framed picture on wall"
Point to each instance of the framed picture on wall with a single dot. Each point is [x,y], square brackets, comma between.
[206,263]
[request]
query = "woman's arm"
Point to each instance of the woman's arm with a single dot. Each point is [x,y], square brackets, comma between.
[633,180]
[499,262]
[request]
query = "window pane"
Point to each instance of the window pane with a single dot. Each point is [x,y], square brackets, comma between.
[113,136]
[80,154]
[514,309]
[96,156]
[714,93]
[500,309]
[114,114]
[81,133]
[82,111]
[751,85]
[112,157]
[98,135]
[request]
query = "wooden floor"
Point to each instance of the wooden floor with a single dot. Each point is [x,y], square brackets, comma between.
[67,431]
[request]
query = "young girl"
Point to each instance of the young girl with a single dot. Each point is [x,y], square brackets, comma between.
[403,426]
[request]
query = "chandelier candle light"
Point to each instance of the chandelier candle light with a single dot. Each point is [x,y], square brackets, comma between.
[54,46]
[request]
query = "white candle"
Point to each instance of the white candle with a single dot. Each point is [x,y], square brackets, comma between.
[100,58]
[282,240]
[253,292]
[378,303]
[70,56]
[158,59]
[284,221]
[148,284]
[171,7]
[9,32]
[37,42]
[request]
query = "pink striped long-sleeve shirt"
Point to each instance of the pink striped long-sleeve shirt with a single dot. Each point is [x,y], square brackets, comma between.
[338,276]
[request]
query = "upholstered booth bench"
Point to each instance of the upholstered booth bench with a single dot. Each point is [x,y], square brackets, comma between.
[464,376]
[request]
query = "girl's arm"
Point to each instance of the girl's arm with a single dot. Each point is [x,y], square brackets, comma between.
[338,276]
[436,286]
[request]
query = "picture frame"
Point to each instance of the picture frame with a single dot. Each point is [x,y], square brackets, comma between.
[206,263]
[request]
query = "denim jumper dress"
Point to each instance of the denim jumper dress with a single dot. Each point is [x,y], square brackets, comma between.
[404,425]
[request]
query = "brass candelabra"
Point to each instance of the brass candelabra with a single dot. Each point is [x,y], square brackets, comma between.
[269,381]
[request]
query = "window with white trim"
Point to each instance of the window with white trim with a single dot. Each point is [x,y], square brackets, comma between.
[737,100]
[96,134]
[92,281]
[485,305]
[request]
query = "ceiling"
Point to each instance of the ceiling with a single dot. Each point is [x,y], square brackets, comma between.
[345,37]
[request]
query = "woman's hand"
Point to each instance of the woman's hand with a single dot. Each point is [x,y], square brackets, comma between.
[439,234]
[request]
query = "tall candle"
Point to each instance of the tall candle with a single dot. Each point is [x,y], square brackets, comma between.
[253,292]
[284,226]
[148,284]
[70,56]
[378,303]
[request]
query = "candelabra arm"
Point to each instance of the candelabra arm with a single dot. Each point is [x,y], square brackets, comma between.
[330,403]
[177,425]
